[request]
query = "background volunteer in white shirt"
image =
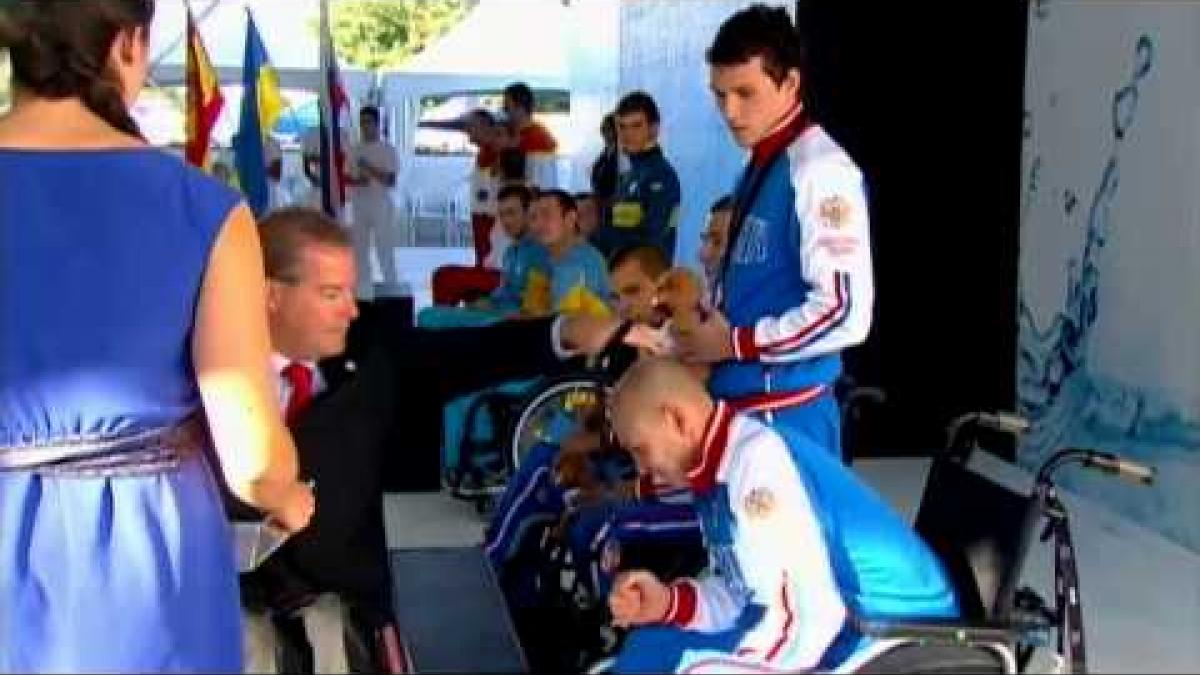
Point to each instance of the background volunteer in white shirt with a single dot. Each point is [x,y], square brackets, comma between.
[371,174]
[273,156]
[310,150]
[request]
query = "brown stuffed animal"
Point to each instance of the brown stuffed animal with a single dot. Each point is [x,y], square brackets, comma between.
[571,467]
[680,298]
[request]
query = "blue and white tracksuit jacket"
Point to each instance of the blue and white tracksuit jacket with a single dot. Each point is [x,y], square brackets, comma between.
[532,499]
[798,289]
[796,549]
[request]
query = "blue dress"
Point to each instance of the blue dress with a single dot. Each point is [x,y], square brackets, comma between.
[102,255]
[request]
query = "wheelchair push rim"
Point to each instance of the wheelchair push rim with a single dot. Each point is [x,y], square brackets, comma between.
[565,399]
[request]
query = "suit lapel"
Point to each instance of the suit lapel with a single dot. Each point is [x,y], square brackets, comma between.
[336,372]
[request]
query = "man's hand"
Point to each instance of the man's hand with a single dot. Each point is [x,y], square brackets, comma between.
[711,341]
[367,170]
[590,335]
[651,341]
[638,598]
[295,507]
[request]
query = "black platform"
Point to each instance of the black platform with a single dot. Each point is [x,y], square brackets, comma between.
[451,613]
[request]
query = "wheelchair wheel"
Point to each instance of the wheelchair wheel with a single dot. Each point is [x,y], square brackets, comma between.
[555,410]
[917,657]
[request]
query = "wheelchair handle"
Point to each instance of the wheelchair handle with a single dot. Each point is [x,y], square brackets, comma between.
[1123,468]
[601,361]
[1009,423]
[1003,422]
[873,394]
[1104,461]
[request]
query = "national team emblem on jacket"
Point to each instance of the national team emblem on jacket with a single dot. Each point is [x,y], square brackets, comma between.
[759,503]
[834,212]
[751,246]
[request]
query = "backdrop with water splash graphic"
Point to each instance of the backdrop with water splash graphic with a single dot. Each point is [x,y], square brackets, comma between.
[1109,308]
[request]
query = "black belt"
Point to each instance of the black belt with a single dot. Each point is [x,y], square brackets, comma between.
[112,455]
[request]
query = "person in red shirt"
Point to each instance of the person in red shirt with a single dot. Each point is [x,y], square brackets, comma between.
[533,140]
[457,284]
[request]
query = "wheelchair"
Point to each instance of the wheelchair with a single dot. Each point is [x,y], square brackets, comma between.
[545,411]
[1003,623]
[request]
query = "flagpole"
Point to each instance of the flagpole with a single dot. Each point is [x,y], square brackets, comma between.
[331,99]
[325,105]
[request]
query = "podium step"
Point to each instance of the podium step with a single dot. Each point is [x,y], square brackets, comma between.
[451,613]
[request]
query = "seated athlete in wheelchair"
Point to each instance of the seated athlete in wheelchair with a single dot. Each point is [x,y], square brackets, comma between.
[799,546]
[634,273]
[849,586]
[569,277]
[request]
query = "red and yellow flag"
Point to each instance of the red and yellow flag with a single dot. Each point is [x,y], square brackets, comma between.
[204,99]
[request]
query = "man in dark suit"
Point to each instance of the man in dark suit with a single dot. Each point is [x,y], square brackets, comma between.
[350,391]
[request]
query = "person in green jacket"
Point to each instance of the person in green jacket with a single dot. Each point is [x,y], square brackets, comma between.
[645,207]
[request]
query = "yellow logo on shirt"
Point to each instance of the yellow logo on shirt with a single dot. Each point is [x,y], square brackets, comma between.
[581,300]
[627,214]
[536,299]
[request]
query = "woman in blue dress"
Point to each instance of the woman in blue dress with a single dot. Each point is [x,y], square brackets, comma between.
[132,339]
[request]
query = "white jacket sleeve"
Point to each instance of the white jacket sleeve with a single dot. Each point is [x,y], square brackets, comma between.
[833,251]
[778,561]
[702,604]
[785,561]
[782,565]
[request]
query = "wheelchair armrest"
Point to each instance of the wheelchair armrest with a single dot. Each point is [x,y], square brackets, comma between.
[952,631]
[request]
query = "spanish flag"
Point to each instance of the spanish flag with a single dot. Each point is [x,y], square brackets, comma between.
[262,104]
[204,99]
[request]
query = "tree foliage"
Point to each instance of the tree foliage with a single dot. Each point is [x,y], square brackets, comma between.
[377,34]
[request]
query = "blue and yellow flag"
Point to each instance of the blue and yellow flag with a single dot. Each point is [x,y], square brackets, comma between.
[262,104]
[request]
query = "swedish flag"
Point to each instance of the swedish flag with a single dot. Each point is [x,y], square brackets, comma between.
[262,103]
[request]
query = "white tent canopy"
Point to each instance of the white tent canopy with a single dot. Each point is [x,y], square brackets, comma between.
[499,42]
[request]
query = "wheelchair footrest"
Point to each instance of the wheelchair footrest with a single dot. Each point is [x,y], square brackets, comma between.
[451,612]
[935,631]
